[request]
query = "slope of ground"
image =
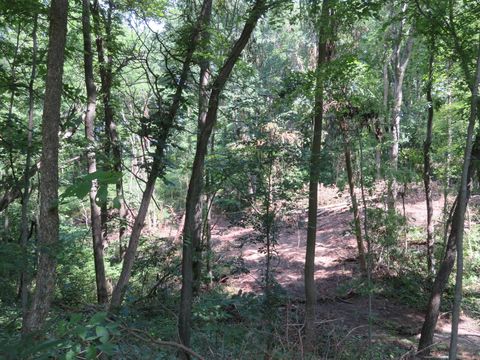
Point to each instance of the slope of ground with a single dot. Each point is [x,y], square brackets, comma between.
[336,266]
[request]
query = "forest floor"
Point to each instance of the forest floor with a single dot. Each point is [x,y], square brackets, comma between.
[341,307]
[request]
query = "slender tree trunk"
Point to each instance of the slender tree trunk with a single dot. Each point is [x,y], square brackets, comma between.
[378,125]
[89,120]
[447,174]
[207,229]
[400,57]
[369,247]
[25,224]
[462,204]
[192,220]
[427,168]
[157,165]
[456,231]
[113,145]
[49,225]
[353,197]
[196,233]
[310,288]
[13,75]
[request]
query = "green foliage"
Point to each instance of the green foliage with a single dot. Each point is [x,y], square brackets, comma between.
[82,187]
[69,337]
[256,169]
[386,230]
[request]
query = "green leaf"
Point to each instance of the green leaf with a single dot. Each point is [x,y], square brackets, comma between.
[79,190]
[107,348]
[91,352]
[102,194]
[83,185]
[116,202]
[70,355]
[81,332]
[75,318]
[98,318]
[102,333]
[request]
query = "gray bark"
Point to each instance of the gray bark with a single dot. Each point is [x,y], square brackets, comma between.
[310,288]
[89,120]
[472,150]
[24,277]
[427,167]
[49,226]
[462,204]
[353,197]
[196,232]
[193,206]
[400,58]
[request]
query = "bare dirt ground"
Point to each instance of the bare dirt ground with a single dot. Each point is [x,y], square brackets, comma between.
[336,265]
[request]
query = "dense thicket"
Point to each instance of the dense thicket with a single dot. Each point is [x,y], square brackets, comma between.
[139,138]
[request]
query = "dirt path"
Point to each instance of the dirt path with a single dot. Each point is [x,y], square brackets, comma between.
[336,265]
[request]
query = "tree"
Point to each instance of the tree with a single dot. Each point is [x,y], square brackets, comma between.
[24,280]
[324,46]
[463,197]
[401,52]
[454,246]
[193,224]
[105,45]
[351,187]
[89,120]
[427,167]
[203,98]
[49,228]
[158,160]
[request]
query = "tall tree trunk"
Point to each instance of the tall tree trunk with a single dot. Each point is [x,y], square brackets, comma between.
[95,214]
[196,234]
[456,232]
[446,185]
[462,204]
[400,57]
[49,225]
[113,145]
[379,125]
[310,288]
[353,197]
[193,208]
[427,168]
[9,123]
[158,163]
[207,228]
[24,276]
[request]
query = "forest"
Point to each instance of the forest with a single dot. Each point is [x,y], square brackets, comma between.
[239,179]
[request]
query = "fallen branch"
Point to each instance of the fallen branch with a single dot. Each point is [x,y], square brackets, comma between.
[144,336]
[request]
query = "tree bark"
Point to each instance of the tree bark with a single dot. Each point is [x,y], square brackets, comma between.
[400,57]
[112,145]
[192,220]
[207,228]
[427,167]
[353,197]
[379,125]
[24,234]
[472,150]
[462,204]
[89,120]
[310,288]
[157,165]
[49,225]
[196,232]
